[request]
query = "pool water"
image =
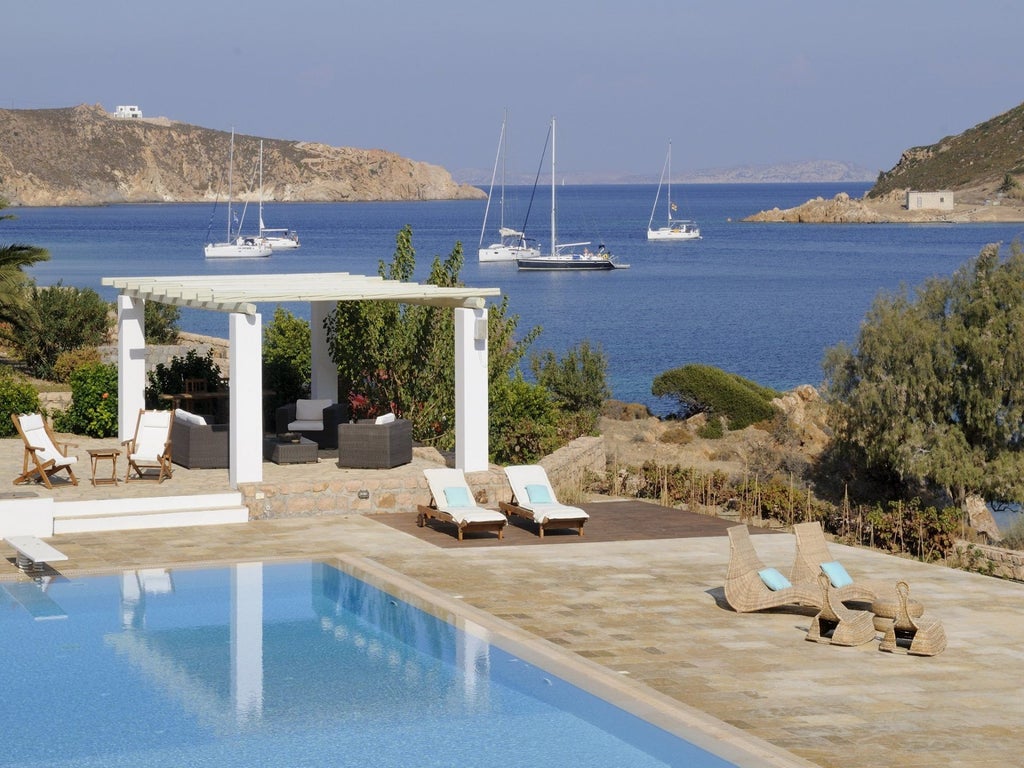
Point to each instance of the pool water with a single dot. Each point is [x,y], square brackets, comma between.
[295,664]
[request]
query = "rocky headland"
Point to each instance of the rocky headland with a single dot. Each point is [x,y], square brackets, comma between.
[983,167]
[84,156]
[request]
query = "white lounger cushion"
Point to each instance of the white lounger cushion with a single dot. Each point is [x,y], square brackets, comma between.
[533,477]
[443,483]
[35,433]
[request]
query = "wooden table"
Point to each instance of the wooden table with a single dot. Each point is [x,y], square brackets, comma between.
[189,400]
[110,454]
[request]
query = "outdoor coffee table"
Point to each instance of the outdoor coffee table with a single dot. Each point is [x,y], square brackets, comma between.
[303,451]
[107,454]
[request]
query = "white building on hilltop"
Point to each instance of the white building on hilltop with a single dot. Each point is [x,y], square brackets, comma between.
[128,112]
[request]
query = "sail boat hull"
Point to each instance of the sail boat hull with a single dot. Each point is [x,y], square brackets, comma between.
[677,230]
[243,248]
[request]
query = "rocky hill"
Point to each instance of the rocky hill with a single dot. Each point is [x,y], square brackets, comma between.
[84,156]
[983,167]
[979,160]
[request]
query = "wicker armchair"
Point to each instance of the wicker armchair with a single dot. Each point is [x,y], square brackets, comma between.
[323,431]
[366,445]
[199,446]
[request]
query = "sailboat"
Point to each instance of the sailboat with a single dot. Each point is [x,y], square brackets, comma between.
[512,242]
[676,229]
[561,256]
[277,239]
[236,246]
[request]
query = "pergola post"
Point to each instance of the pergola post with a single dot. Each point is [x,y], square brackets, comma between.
[245,454]
[471,413]
[131,364]
[323,383]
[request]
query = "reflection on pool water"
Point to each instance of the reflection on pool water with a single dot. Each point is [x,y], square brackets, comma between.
[295,664]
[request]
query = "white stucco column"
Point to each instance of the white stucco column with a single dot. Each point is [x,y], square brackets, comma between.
[245,457]
[131,364]
[471,415]
[323,382]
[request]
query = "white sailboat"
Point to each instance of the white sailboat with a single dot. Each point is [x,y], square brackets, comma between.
[675,229]
[279,239]
[562,256]
[512,242]
[236,246]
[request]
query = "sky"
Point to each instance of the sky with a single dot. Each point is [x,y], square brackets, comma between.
[730,83]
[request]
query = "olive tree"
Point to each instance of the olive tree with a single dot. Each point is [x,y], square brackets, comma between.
[932,393]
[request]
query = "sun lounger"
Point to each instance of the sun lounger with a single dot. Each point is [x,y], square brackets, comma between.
[534,499]
[452,501]
[44,456]
[813,558]
[751,586]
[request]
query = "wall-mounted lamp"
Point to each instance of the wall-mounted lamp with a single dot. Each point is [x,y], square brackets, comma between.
[480,329]
[363,493]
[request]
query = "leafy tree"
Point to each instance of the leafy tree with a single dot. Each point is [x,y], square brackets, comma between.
[287,361]
[57,319]
[705,389]
[13,258]
[932,395]
[161,322]
[401,357]
[577,384]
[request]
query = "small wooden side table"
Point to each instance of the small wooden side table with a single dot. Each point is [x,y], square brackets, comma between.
[111,454]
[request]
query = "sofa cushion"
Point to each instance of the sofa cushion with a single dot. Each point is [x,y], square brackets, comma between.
[386,418]
[311,410]
[305,426]
[189,418]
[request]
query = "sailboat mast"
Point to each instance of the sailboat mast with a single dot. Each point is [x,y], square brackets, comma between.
[669,188]
[261,187]
[494,172]
[231,166]
[554,238]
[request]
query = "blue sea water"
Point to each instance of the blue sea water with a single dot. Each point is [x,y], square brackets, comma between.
[761,300]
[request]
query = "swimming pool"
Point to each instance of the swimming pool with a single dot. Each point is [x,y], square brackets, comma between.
[287,664]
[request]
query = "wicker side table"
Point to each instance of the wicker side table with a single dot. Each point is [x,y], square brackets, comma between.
[288,452]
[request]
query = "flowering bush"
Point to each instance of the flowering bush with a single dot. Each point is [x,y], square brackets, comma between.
[93,410]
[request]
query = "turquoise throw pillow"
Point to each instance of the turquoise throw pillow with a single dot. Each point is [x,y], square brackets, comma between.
[774,580]
[457,496]
[837,574]
[538,494]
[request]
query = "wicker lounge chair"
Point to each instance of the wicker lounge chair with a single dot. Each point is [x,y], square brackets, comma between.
[915,636]
[813,557]
[533,499]
[452,501]
[746,589]
[836,624]
[150,449]
[367,444]
[44,456]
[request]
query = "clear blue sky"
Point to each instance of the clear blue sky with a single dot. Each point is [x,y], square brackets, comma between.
[731,83]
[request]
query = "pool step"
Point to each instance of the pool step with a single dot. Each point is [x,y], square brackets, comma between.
[152,512]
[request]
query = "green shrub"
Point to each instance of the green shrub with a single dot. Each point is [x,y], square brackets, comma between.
[712,429]
[57,319]
[68,362]
[161,322]
[16,396]
[93,410]
[170,378]
[286,358]
[705,389]
[522,421]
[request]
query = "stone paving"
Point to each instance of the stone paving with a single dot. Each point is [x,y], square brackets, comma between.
[651,612]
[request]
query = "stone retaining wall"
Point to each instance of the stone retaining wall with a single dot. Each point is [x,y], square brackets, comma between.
[163,353]
[1004,563]
[368,492]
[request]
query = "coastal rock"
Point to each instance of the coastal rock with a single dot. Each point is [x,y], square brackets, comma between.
[83,156]
[980,518]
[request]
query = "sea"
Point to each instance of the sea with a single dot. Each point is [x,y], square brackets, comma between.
[761,300]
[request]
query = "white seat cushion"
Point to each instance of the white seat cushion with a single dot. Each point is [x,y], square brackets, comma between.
[311,410]
[186,417]
[386,418]
[305,426]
